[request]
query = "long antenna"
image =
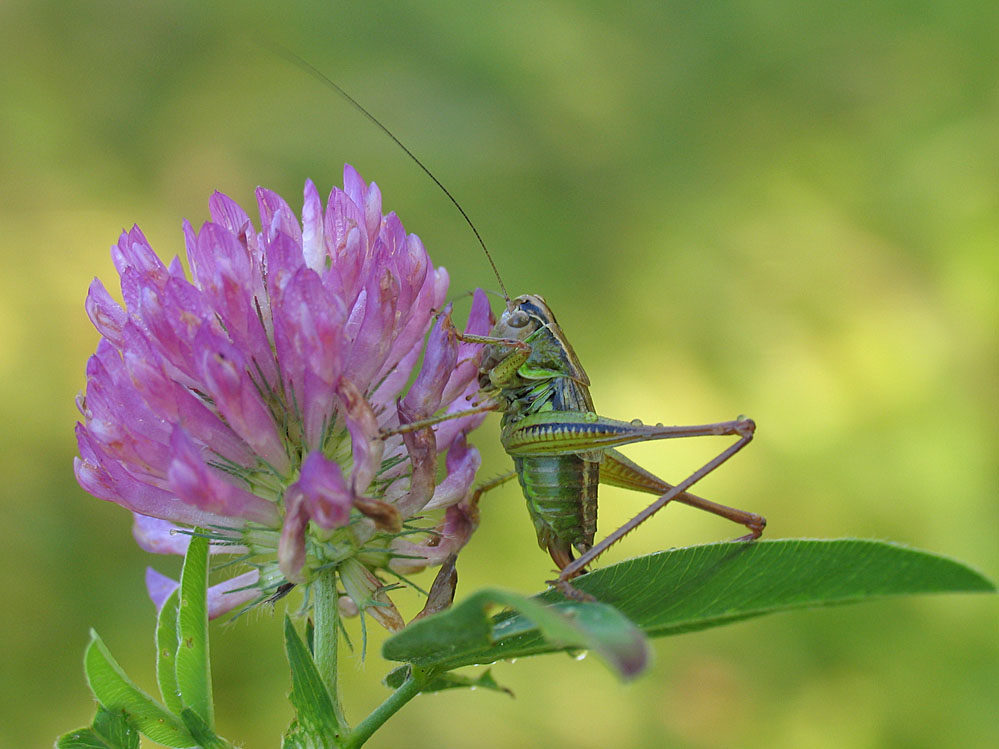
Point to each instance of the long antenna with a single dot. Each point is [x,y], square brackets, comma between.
[330,83]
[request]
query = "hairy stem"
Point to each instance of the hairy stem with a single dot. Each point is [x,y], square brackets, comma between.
[327,637]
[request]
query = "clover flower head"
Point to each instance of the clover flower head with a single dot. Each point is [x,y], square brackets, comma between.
[257,400]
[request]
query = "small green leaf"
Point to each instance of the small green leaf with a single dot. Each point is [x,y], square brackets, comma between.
[194,678]
[466,629]
[394,678]
[166,654]
[309,696]
[110,730]
[447,680]
[83,738]
[116,692]
[682,590]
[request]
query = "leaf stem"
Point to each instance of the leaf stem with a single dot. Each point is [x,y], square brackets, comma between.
[327,636]
[407,691]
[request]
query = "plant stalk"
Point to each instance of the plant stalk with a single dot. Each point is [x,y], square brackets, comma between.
[327,637]
[407,691]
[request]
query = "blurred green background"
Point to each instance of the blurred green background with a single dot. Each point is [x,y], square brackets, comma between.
[780,209]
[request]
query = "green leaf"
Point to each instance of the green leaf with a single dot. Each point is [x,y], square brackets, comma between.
[116,692]
[201,731]
[110,730]
[465,631]
[447,680]
[682,590]
[704,586]
[83,738]
[194,678]
[309,696]
[166,654]
[298,736]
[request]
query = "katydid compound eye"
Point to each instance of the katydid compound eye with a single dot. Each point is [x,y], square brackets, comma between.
[518,319]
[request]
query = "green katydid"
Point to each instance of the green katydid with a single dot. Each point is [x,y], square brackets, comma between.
[561,448]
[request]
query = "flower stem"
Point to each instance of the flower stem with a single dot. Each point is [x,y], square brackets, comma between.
[327,636]
[407,691]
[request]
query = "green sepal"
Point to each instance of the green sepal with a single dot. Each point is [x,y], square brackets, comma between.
[194,679]
[310,698]
[467,628]
[116,692]
[111,729]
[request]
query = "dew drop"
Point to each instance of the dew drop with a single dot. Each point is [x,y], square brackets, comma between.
[590,417]
[636,422]
[579,656]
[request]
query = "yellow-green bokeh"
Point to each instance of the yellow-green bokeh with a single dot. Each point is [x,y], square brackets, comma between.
[780,209]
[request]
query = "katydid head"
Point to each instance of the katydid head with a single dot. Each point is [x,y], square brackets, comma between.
[528,318]
[523,317]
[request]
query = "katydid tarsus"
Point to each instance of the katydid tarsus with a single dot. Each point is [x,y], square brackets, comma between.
[561,448]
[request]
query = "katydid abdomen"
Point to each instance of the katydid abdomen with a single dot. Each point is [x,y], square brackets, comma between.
[561,494]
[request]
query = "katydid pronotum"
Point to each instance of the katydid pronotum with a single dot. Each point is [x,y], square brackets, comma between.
[561,448]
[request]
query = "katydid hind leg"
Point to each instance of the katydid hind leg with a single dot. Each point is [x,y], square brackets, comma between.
[618,470]
[744,428]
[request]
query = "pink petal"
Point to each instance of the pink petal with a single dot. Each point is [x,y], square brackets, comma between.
[326,494]
[222,598]
[105,313]
[441,354]
[313,242]
[291,547]
[164,537]
[276,217]
[108,479]
[460,522]
[462,463]
[199,486]
[236,591]
[371,344]
[159,536]
[366,444]
[228,213]
[422,450]
[237,397]
[466,371]
[159,587]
